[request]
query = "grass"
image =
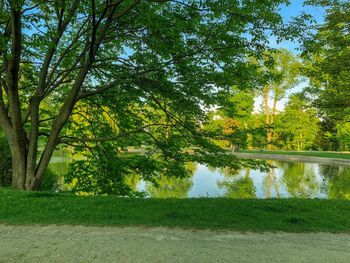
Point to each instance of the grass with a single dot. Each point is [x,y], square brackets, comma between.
[290,215]
[336,155]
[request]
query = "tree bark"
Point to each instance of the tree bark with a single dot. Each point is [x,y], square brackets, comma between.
[15,133]
[18,166]
[267,117]
[272,120]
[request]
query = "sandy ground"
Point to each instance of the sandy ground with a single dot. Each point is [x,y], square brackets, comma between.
[134,244]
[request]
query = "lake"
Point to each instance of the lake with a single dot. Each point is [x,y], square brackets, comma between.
[287,179]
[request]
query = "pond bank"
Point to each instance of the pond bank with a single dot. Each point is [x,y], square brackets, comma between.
[300,158]
[136,244]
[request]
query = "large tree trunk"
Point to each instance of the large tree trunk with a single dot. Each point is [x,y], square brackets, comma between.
[18,167]
[24,176]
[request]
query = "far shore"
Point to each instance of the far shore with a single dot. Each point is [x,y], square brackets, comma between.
[290,157]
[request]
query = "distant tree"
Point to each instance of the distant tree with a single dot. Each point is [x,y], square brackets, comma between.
[298,125]
[257,131]
[230,121]
[343,135]
[283,74]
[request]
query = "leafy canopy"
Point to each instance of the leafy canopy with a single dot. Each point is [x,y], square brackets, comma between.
[102,76]
[327,54]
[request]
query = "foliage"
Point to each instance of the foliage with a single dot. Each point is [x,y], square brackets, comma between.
[107,174]
[282,70]
[257,138]
[284,73]
[343,135]
[51,182]
[5,162]
[326,55]
[229,123]
[124,73]
[239,104]
[298,125]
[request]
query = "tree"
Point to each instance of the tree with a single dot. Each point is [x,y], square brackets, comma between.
[298,126]
[283,74]
[343,135]
[326,55]
[230,122]
[123,58]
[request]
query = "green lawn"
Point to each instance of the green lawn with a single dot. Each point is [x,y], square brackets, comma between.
[290,215]
[305,153]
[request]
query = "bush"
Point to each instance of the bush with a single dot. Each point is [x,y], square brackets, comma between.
[5,162]
[50,183]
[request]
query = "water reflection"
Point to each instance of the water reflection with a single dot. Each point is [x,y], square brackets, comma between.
[336,181]
[271,183]
[300,179]
[168,187]
[237,185]
[287,179]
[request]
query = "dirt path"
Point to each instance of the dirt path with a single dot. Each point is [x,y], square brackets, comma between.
[135,244]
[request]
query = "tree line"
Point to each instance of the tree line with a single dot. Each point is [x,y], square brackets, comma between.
[316,117]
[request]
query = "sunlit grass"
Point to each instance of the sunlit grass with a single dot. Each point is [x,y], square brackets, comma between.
[290,215]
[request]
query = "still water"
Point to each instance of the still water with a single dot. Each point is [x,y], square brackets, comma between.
[287,179]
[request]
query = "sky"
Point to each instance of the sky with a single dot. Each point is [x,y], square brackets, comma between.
[295,8]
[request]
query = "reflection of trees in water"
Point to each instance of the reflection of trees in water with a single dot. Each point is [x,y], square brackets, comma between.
[300,180]
[236,185]
[229,172]
[270,181]
[337,179]
[172,187]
